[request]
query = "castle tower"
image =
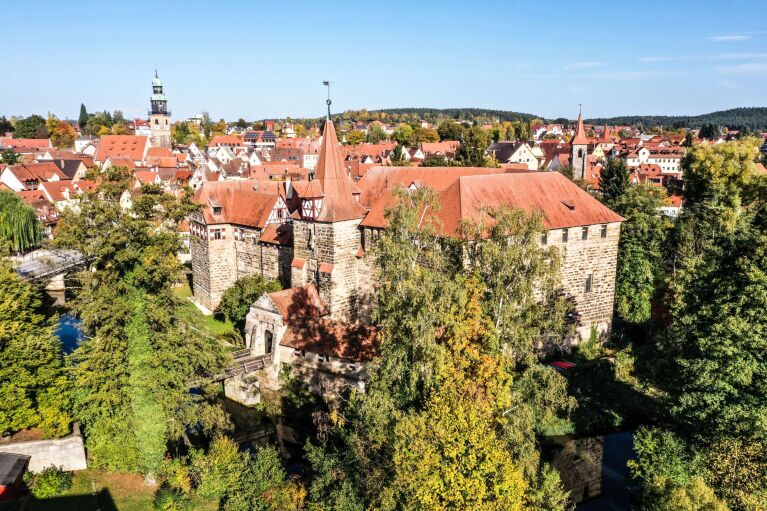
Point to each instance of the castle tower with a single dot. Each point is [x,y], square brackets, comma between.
[159,116]
[326,234]
[579,146]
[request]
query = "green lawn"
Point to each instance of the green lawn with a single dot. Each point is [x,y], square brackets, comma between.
[210,324]
[114,491]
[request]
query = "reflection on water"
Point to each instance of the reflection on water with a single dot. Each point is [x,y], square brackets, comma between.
[69,332]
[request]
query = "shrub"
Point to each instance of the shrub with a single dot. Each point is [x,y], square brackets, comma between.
[591,348]
[167,498]
[237,299]
[50,482]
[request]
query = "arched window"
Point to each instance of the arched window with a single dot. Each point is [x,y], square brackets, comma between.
[580,153]
[155,121]
[268,341]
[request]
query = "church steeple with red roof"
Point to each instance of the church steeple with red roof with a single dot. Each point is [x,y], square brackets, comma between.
[579,146]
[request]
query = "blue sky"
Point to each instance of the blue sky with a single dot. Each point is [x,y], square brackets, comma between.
[256,59]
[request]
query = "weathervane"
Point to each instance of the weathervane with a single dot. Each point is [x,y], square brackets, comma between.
[327,84]
[580,109]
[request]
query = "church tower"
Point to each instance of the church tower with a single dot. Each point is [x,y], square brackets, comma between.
[579,146]
[326,234]
[159,116]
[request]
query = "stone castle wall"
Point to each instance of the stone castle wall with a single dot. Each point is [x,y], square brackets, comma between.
[320,245]
[595,256]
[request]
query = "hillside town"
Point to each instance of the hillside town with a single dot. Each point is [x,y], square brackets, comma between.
[323,295]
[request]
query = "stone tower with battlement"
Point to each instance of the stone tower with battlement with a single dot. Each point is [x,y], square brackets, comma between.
[326,235]
[159,116]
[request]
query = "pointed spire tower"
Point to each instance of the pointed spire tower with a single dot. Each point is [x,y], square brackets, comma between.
[579,147]
[326,236]
[605,138]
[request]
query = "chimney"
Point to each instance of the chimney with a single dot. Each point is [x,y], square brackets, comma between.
[288,188]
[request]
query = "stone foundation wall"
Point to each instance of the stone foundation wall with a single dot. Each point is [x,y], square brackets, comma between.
[579,463]
[67,453]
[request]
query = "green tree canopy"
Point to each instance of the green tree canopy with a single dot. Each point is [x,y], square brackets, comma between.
[237,300]
[34,391]
[31,127]
[613,180]
[20,230]
[133,371]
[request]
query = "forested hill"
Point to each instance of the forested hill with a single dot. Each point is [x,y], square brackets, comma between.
[458,113]
[752,118]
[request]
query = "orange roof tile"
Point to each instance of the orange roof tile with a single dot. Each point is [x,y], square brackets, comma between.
[338,202]
[128,146]
[580,137]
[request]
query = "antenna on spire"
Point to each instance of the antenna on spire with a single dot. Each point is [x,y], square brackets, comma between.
[155,73]
[327,84]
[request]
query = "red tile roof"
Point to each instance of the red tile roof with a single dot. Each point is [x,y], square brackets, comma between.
[25,142]
[240,203]
[298,301]
[227,140]
[338,202]
[44,171]
[561,201]
[133,147]
[55,190]
[345,341]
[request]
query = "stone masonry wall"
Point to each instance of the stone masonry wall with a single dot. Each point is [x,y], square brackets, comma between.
[67,453]
[256,258]
[214,267]
[318,243]
[595,256]
[579,463]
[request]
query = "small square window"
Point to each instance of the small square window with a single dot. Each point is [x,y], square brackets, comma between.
[564,235]
[588,283]
[585,233]
[603,231]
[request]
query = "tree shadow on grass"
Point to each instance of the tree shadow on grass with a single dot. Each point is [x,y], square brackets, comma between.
[101,501]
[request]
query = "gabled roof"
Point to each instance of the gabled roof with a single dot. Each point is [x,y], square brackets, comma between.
[226,140]
[298,301]
[378,179]
[562,202]
[240,203]
[43,171]
[55,190]
[310,329]
[69,167]
[338,202]
[133,147]
[502,151]
[25,142]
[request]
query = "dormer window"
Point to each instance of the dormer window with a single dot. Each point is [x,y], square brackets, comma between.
[217,210]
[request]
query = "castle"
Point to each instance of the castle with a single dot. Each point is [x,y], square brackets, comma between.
[315,237]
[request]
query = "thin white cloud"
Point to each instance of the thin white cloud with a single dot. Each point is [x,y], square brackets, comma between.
[727,38]
[587,64]
[743,69]
[719,56]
